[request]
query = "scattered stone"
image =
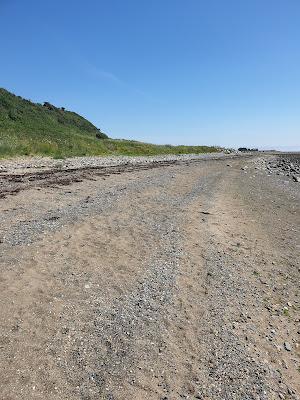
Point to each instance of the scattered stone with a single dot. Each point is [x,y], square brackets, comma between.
[282,164]
[296,178]
[287,346]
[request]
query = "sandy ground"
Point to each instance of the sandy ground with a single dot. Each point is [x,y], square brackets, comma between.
[179,282]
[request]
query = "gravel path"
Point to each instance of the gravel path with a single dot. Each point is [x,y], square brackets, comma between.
[19,165]
[174,282]
[21,174]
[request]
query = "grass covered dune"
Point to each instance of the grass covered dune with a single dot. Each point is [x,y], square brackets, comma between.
[28,128]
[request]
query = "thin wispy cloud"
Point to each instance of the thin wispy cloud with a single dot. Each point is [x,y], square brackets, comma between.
[105,75]
[99,73]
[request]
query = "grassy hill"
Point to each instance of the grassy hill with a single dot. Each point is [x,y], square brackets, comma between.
[28,128]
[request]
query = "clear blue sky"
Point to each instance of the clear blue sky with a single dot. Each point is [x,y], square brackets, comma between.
[221,72]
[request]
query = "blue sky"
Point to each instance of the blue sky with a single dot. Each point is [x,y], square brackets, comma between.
[163,71]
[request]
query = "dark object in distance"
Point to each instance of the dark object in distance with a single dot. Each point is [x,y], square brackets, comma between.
[244,149]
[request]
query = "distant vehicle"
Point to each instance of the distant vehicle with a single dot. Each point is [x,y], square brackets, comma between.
[245,149]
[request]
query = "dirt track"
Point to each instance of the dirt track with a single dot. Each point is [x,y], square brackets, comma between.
[178,282]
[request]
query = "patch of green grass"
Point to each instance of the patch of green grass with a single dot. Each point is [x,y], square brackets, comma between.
[28,128]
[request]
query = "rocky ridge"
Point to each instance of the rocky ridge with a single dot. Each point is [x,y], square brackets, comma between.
[285,164]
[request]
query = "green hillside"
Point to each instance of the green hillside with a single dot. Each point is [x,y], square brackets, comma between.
[30,128]
[27,128]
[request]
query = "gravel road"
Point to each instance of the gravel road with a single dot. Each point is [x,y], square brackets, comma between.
[154,279]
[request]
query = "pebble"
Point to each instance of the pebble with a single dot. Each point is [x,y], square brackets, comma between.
[287,346]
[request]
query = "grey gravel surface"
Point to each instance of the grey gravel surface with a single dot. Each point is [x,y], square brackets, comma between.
[21,174]
[178,282]
[40,163]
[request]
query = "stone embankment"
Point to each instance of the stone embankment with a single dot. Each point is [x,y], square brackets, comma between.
[285,164]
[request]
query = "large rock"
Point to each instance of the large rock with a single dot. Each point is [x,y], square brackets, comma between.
[296,178]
